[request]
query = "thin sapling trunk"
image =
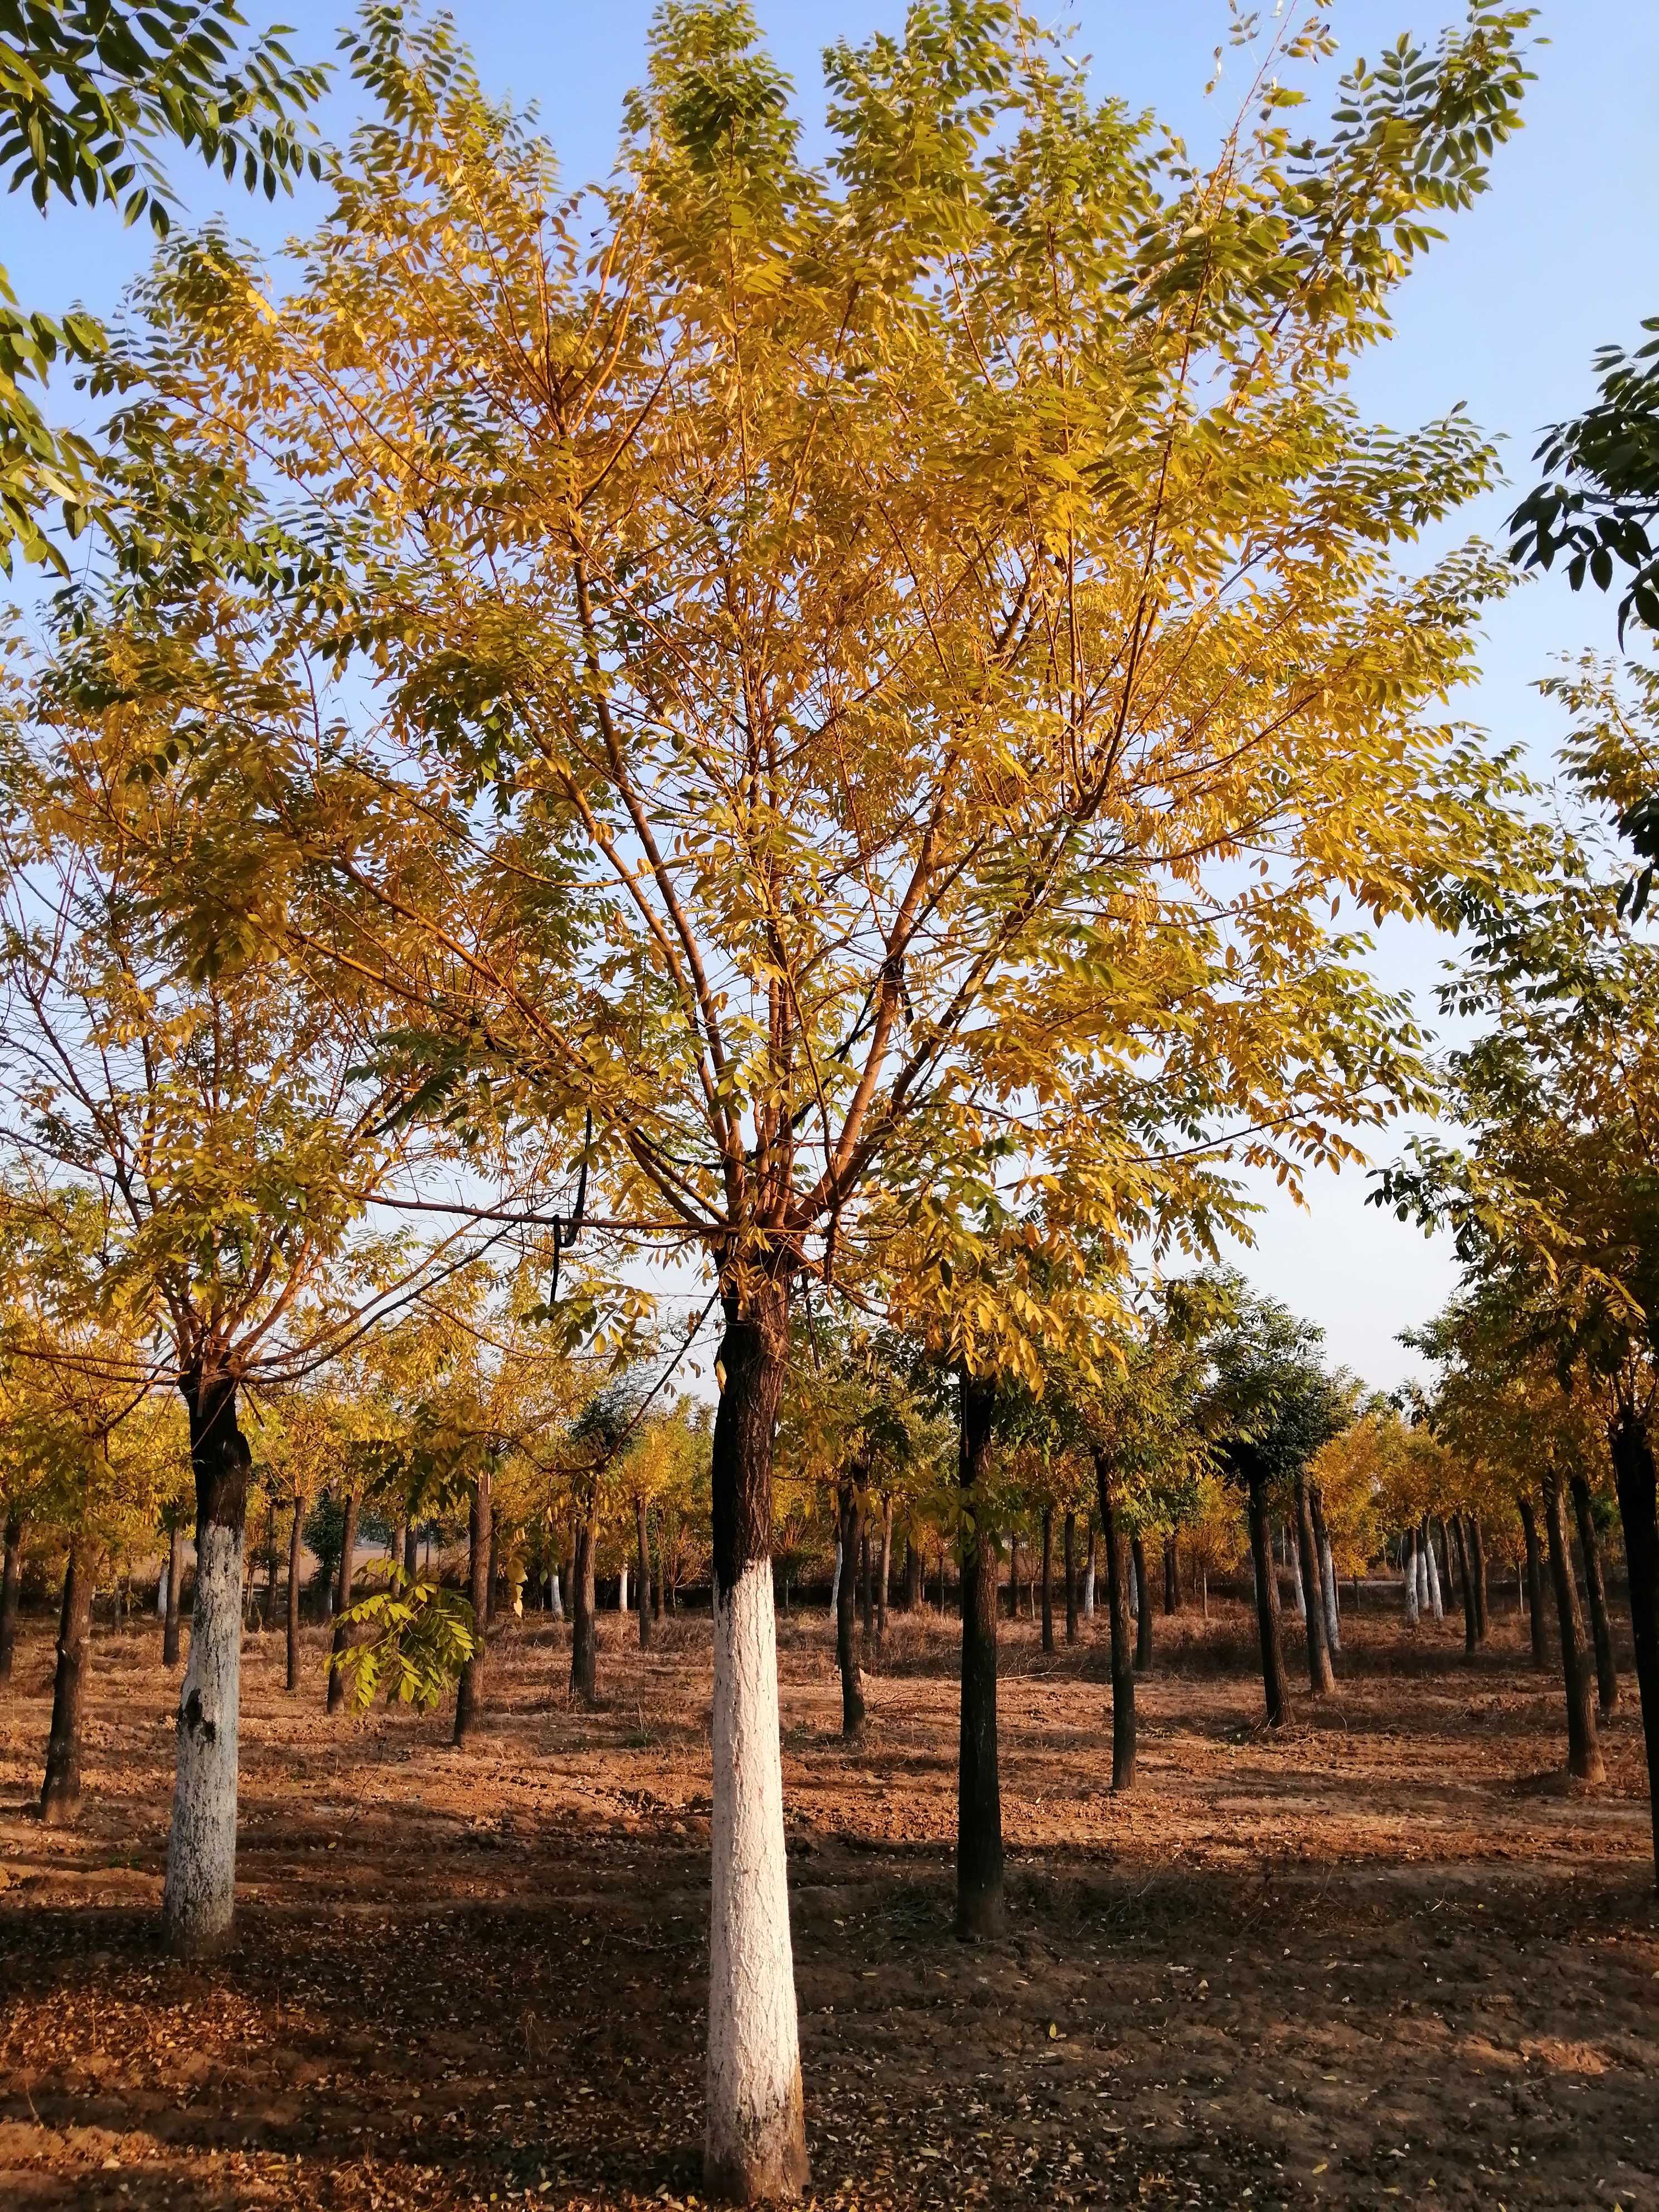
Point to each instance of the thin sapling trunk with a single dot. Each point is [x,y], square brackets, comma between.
[60,1792]
[981,1911]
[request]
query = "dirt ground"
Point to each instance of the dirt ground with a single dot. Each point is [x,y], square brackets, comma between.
[1385,1956]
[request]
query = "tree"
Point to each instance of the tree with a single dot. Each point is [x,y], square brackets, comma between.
[212,1120]
[880,604]
[88,90]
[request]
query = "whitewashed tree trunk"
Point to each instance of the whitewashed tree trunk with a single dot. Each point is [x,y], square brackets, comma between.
[755,2098]
[199,1898]
[162,1595]
[1408,1576]
[1333,1610]
[1089,1587]
[1434,1602]
[622,1592]
[1297,1589]
[835,1581]
[558,1602]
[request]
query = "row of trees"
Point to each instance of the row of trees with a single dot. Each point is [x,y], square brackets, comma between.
[834,723]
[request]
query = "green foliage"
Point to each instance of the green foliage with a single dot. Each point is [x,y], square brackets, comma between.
[420,1636]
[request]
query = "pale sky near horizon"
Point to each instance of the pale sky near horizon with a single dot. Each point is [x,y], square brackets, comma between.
[1560,258]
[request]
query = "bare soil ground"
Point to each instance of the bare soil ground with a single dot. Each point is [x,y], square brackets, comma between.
[1385,1956]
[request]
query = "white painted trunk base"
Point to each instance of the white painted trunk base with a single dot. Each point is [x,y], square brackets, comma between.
[1295,1550]
[1089,1591]
[1409,1578]
[1435,1602]
[834,1579]
[200,1897]
[622,1592]
[162,1597]
[1332,1611]
[1422,1580]
[756,2141]
[558,1602]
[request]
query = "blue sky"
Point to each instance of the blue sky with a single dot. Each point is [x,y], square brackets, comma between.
[1560,256]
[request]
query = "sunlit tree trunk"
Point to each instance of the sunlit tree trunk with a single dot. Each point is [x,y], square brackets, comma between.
[1583,1751]
[60,1792]
[1431,1566]
[1269,1629]
[1117,1607]
[1321,1679]
[980,1906]
[170,1637]
[343,1589]
[1143,1607]
[755,2144]
[199,1902]
[1595,1589]
[470,1690]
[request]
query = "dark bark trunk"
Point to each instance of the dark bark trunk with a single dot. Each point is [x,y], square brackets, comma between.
[642,1595]
[1595,1589]
[980,1908]
[1013,1578]
[1584,1752]
[295,1538]
[884,1571]
[347,1576]
[470,1690]
[1465,1585]
[912,1575]
[584,1612]
[1268,1626]
[10,1584]
[850,1521]
[1171,1575]
[1321,1679]
[411,1551]
[170,1612]
[1535,1582]
[1047,1578]
[1478,1575]
[1633,1477]
[1117,1606]
[60,1793]
[1144,1608]
[1071,1577]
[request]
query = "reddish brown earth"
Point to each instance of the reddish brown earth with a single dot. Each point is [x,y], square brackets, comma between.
[1383,1957]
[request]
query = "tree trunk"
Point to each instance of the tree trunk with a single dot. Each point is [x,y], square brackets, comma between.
[1478,1575]
[1143,1608]
[295,1538]
[1293,1561]
[175,1581]
[1268,1628]
[851,1522]
[1466,1586]
[980,1906]
[642,1538]
[1089,1573]
[1049,1578]
[757,2134]
[1606,1666]
[1117,1607]
[1171,1573]
[480,1530]
[1638,1511]
[1321,1679]
[10,1585]
[1326,1570]
[347,1576]
[835,1574]
[867,1591]
[199,1902]
[1408,1575]
[912,1575]
[1013,1578]
[584,1612]
[884,1571]
[1071,1577]
[1437,1604]
[657,1579]
[1584,1752]
[1535,1581]
[60,1793]
[411,1551]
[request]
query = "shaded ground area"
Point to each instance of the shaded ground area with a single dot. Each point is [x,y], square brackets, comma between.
[1385,1956]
